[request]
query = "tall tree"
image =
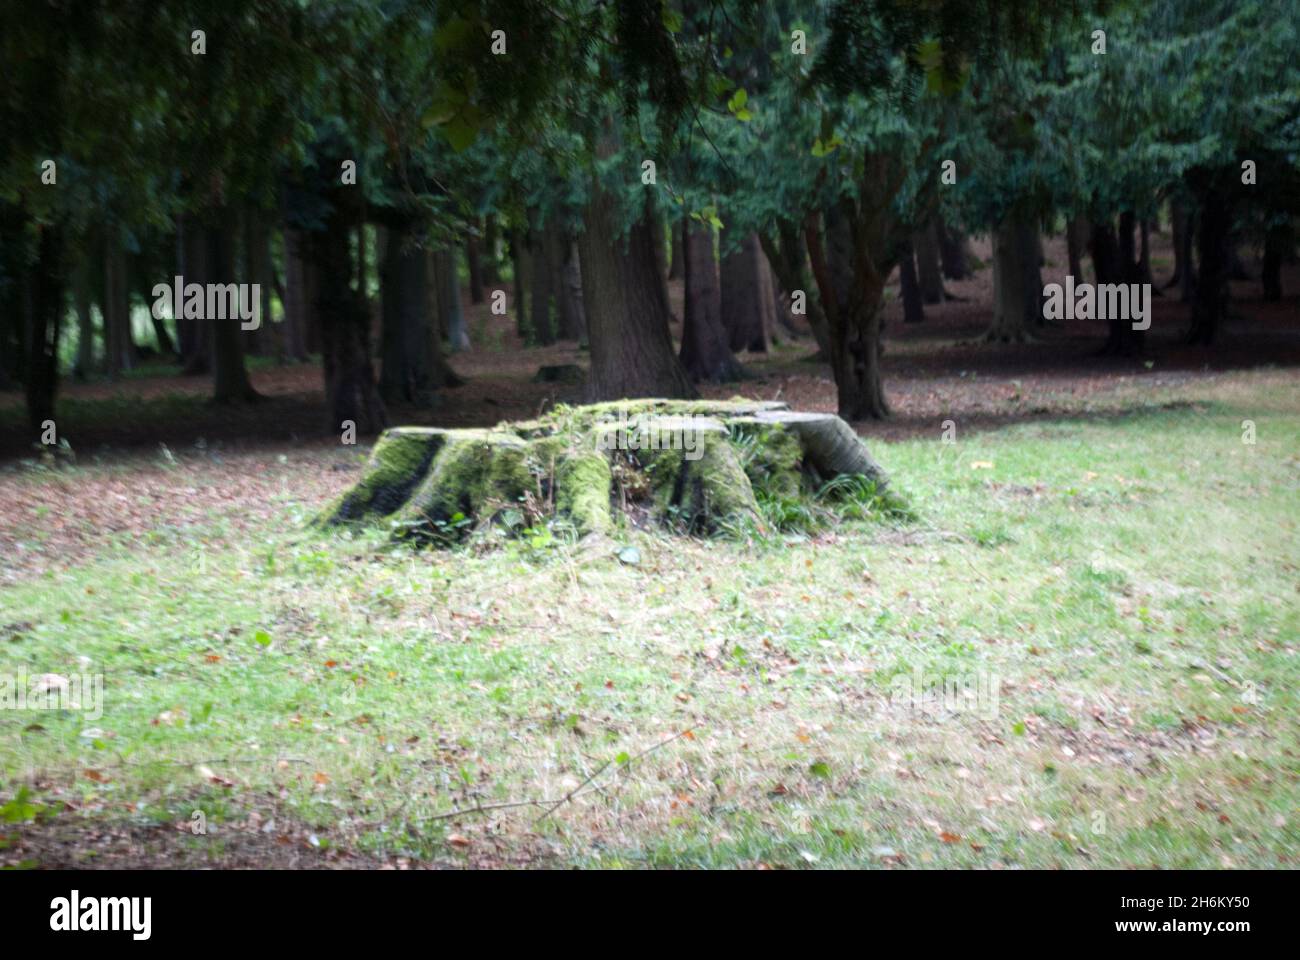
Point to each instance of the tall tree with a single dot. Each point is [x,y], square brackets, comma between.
[705,353]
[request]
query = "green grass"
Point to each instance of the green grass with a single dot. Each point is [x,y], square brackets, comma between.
[1129,583]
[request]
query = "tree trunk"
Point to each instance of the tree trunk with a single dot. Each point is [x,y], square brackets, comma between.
[929,275]
[190,332]
[230,382]
[45,299]
[1122,340]
[166,346]
[908,287]
[117,309]
[298,301]
[1144,255]
[1017,285]
[675,264]
[747,314]
[851,288]
[661,232]
[1103,248]
[659,257]
[451,313]
[260,269]
[254,342]
[521,259]
[1075,241]
[489,260]
[1213,249]
[475,268]
[1278,242]
[627,322]
[768,302]
[350,390]
[573,324]
[705,353]
[540,323]
[404,305]
[1183,224]
[787,258]
[81,280]
[1186,245]
[953,251]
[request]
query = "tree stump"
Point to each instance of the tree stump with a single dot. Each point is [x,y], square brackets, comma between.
[697,466]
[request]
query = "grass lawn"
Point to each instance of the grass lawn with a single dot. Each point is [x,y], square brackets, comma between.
[1119,594]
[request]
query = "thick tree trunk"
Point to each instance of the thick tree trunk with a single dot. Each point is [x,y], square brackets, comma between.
[627,322]
[350,390]
[45,299]
[705,353]
[748,312]
[1214,254]
[928,271]
[908,287]
[851,287]
[405,376]
[230,383]
[1017,284]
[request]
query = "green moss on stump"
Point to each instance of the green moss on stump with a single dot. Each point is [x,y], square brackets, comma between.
[398,462]
[703,466]
[582,490]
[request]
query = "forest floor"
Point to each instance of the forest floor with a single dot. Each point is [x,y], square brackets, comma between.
[1099,560]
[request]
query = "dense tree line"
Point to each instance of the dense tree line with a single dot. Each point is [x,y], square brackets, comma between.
[782,159]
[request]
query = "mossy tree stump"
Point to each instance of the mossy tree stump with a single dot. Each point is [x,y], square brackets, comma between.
[699,466]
